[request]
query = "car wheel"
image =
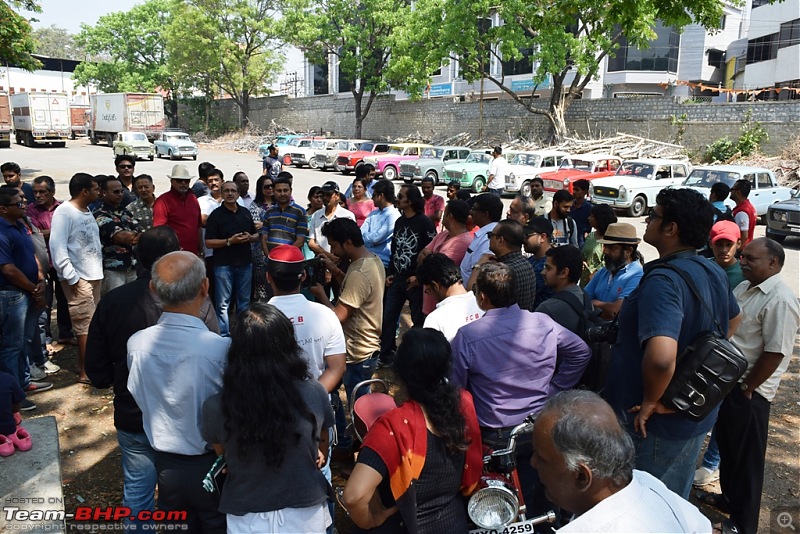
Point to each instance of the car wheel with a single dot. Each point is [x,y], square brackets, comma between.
[312,163]
[390,173]
[92,139]
[158,154]
[776,237]
[638,206]
[525,190]
[478,184]
[110,140]
[171,155]
[150,158]
[194,158]
[433,175]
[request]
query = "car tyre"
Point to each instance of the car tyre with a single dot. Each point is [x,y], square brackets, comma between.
[194,158]
[171,155]
[150,158]
[390,173]
[776,237]
[478,184]
[433,175]
[312,163]
[638,206]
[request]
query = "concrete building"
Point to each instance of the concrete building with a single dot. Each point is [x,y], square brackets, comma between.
[55,76]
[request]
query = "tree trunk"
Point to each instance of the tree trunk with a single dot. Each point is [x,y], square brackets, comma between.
[245,109]
[173,114]
[357,99]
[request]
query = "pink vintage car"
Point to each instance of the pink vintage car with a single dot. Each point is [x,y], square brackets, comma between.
[388,164]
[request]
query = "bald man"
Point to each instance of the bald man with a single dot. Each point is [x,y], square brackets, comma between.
[175,366]
[585,461]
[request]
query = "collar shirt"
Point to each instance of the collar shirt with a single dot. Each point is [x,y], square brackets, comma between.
[142,213]
[207,204]
[180,214]
[498,168]
[476,249]
[606,287]
[224,223]
[319,219]
[16,248]
[644,505]
[509,376]
[452,313]
[174,367]
[770,318]
[111,221]
[283,226]
[42,216]
[524,279]
[543,205]
[377,232]
[432,205]
[245,200]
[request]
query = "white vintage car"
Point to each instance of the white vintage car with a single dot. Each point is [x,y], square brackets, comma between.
[637,182]
[524,166]
[764,188]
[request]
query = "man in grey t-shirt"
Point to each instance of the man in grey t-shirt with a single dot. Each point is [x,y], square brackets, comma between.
[562,272]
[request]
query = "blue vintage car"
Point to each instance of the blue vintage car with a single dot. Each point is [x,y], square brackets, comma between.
[175,145]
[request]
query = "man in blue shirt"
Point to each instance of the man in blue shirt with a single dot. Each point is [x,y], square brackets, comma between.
[657,321]
[378,228]
[613,283]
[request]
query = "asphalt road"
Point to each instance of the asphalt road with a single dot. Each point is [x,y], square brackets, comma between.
[80,156]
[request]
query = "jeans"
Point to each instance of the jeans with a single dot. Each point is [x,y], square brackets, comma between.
[394,298]
[711,457]
[53,290]
[113,279]
[498,192]
[18,321]
[231,282]
[672,461]
[138,471]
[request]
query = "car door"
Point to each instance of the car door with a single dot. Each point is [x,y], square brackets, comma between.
[764,193]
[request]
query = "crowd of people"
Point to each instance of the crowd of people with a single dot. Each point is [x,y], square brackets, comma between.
[227,323]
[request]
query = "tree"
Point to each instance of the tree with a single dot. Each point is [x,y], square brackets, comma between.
[134,53]
[16,41]
[234,44]
[368,40]
[565,42]
[57,42]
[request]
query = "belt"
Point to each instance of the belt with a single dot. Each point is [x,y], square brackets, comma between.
[10,287]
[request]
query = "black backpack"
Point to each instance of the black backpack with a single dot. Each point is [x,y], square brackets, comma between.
[598,334]
[726,215]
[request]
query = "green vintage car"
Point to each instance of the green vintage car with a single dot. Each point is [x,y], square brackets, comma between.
[133,144]
[470,173]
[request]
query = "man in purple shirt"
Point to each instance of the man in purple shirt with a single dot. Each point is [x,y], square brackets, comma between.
[507,360]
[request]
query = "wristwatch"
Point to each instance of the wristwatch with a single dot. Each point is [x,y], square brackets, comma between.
[228,242]
[743,386]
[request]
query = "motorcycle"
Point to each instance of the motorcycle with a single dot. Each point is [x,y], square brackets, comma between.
[497,506]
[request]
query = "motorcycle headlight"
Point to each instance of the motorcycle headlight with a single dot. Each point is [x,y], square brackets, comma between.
[494,506]
[780,216]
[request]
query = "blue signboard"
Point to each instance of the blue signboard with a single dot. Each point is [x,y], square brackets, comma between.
[527,85]
[441,89]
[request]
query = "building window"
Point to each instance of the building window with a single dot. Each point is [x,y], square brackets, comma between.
[789,34]
[320,79]
[759,3]
[522,65]
[662,55]
[762,48]
[716,58]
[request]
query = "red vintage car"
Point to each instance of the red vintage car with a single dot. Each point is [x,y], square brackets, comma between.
[348,161]
[580,167]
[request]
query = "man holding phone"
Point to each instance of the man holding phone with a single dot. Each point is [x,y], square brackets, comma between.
[229,231]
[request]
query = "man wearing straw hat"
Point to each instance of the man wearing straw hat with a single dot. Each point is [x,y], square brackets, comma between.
[621,272]
[180,211]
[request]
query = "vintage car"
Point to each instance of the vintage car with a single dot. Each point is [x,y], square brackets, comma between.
[637,182]
[431,163]
[304,151]
[134,144]
[783,218]
[471,172]
[175,145]
[348,161]
[326,158]
[764,191]
[579,167]
[526,165]
[387,164]
[280,141]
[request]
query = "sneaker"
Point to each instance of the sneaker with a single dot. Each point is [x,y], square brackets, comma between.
[26,406]
[50,368]
[705,476]
[38,387]
[37,373]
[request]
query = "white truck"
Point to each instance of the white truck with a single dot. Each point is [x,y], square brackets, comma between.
[40,118]
[112,113]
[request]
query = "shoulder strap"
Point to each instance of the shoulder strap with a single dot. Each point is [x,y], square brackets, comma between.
[693,287]
[571,300]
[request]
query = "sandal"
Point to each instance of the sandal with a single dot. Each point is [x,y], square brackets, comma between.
[725,527]
[83,381]
[714,500]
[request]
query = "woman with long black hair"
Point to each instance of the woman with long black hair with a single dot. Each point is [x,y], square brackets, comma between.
[269,420]
[419,459]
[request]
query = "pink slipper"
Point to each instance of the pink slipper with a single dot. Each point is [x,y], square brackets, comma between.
[6,447]
[21,439]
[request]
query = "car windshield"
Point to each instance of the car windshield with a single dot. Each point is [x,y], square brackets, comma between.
[531,160]
[632,168]
[708,177]
[397,150]
[318,144]
[134,137]
[293,142]
[478,157]
[304,143]
[432,153]
[367,147]
[579,164]
[179,137]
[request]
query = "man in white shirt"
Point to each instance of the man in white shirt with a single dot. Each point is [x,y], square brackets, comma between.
[317,242]
[585,459]
[209,203]
[498,169]
[441,278]
[77,255]
[487,210]
[243,184]
[175,366]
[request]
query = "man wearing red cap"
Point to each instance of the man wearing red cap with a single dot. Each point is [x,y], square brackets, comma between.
[726,241]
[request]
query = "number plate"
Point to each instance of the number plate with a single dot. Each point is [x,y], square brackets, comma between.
[514,528]
[793,229]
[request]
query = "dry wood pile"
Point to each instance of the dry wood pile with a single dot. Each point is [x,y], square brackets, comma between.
[247,140]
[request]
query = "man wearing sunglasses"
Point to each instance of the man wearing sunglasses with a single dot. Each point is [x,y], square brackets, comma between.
[125,165]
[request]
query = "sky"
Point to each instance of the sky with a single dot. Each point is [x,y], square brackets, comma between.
[69,14]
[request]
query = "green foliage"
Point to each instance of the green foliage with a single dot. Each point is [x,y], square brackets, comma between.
[16,39]
[751,135]
[57,42]
[722,149]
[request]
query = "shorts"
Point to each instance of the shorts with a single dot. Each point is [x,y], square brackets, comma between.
[82,301]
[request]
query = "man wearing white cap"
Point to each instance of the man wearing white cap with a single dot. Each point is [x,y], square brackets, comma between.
[621,272]
[180,211]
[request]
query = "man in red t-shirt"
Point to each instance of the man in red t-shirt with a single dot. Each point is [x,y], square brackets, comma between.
[744,214]
[180,211]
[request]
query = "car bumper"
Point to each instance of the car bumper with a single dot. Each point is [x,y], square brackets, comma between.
[410,176]
[790,227]
[613,202]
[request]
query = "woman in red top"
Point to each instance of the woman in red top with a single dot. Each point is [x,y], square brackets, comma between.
[359,204]
[419,459]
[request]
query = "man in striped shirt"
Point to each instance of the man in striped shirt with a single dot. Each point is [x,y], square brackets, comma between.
[285,223]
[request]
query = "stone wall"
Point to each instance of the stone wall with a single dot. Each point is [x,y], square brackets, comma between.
[506,119]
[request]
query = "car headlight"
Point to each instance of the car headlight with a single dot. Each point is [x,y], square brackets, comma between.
[493,506]
[512,177]
[591,189]
[566,183]
[778,215]
[622,191]
[416,168]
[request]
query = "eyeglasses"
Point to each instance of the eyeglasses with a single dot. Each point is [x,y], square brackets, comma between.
[267,186]
[126,166]
[21,204]
[490,235]
[652,215]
